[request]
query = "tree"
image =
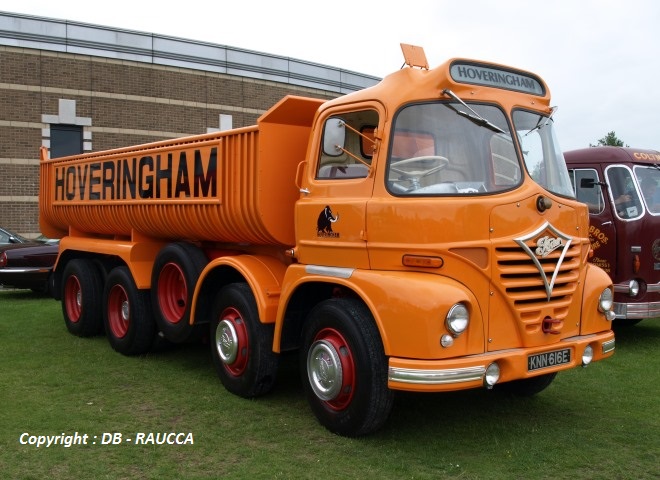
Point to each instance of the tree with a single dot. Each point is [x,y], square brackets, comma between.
[609,139]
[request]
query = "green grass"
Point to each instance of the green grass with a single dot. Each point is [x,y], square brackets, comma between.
[601,422]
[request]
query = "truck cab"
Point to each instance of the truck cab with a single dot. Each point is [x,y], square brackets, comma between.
[442,197]
[621,187]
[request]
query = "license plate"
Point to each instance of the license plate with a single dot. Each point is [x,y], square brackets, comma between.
[548,359]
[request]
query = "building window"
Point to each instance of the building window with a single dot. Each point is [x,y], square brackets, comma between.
[65,140]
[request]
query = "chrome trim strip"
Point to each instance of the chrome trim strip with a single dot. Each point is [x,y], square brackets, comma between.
[609,346]
[653,287]
[337,272]
[436,377]
[11,270]
[625,287]
[632,311]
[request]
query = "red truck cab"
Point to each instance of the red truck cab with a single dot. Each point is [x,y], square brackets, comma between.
[621,186]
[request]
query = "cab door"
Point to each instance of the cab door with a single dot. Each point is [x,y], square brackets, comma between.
[331,213]
[589,187]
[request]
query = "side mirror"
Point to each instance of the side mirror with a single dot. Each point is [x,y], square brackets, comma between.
[587,183]
[334,136]
[590,183]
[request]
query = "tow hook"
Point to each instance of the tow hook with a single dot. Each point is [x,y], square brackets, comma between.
[552,325]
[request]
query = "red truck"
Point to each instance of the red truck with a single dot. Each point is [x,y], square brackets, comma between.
[621,186]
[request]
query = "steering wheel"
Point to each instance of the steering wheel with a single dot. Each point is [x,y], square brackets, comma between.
[437,163]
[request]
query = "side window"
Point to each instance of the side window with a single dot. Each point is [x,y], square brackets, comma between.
[623,192]
[587,190]
[347,145]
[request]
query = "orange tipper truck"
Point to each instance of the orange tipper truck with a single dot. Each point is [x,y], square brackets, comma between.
[621,186]
[420,235]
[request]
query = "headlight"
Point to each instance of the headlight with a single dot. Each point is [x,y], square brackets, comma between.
[633,288]
[605,300]
[457,319]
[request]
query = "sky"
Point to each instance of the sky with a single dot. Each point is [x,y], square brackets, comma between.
[600,58]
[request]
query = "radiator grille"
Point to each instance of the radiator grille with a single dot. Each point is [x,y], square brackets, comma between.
[537,280]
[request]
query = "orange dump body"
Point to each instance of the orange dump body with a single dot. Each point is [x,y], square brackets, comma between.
[235,186]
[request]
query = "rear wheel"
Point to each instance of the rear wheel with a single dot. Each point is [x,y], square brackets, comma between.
[82,298]
[127,315]
[241,345]
[174,276]
[344,368]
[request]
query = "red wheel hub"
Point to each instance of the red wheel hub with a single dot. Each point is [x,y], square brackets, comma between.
[119,312]
[172,292]
[331,369]
[231,342]
[73,299]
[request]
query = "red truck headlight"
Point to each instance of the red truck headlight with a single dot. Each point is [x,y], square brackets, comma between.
[606,300]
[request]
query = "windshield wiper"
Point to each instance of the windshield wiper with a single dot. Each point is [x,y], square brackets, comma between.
[474,116]
[547,120]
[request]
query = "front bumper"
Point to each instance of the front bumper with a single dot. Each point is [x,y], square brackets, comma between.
[638,310]
[468,372]
[631,311]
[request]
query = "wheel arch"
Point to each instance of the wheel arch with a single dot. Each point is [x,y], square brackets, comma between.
[302,294]
[103,263]
[108,254]
[263,274]
[400,320]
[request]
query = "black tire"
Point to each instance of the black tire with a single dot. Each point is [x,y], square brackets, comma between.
[353,400]
[242,346]
[127,317]
[622,324]
[173,279]
[527,387]
[81,294]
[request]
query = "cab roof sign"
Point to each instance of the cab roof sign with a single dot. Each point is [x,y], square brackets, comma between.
[490,76]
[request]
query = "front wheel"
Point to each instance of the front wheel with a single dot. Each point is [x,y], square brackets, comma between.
[527,387]
[621,324]
[241,345]
[344,368]
[129,324]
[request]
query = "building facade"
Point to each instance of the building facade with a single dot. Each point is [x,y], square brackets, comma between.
[75,87]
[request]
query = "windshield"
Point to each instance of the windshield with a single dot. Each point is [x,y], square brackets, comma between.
[444,149]
[623,192]
[648,179]
[541,153]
